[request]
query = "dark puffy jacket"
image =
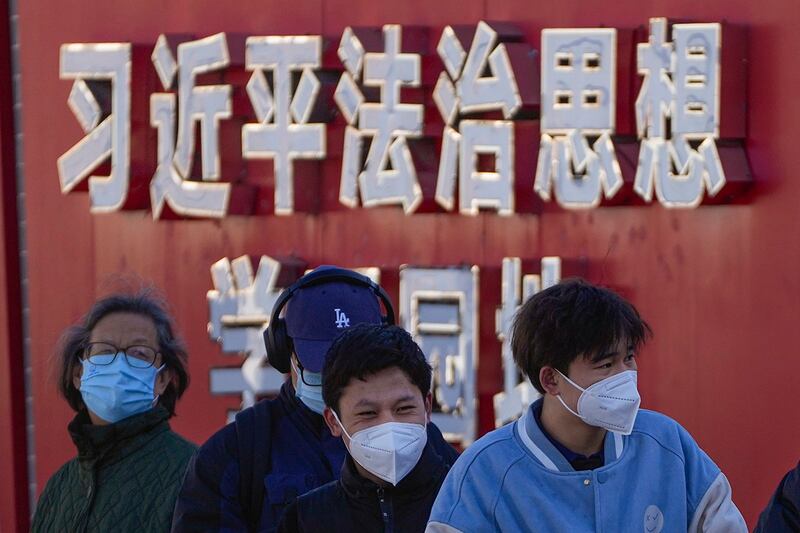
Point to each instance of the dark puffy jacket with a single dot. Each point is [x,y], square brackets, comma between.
[126,477]
[783,510]
[301,455]
[354,503]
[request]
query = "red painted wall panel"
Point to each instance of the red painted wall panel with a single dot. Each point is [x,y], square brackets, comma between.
[13,465]
[718,284]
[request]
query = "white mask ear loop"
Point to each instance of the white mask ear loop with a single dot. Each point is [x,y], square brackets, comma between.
[157,396]
[560,399]
[341,425]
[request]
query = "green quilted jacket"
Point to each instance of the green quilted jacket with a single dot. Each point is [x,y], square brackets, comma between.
[126,477]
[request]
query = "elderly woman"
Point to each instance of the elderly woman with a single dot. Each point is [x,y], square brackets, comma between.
[122,370]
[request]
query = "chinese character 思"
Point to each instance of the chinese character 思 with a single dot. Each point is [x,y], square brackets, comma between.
[288,136]
[681,84]
[171,184]
[465,88]
[578,101]
[388,176]
[102,64]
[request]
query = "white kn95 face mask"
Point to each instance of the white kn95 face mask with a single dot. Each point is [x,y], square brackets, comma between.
[390,450]
[611,403]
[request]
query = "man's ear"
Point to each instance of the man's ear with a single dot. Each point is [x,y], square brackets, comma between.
[162,381]
[550,380]
[332,423]
[77,372]
[428,406]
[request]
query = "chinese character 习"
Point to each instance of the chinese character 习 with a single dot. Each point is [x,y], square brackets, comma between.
[95,67]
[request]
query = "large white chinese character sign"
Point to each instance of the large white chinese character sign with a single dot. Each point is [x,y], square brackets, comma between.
[100,65]
[484,95]
[578,103]
[171,184]
[439,307]
[518,392]
[283,133]
[239,309]
[481,80]
[677,114]
[388,175]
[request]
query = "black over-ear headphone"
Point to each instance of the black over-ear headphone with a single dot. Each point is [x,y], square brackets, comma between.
[277,339]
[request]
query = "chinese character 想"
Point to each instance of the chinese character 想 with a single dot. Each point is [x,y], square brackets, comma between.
[677,114]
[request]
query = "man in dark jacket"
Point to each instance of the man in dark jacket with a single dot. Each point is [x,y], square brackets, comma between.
[243,477]
[376,388]
[782,514]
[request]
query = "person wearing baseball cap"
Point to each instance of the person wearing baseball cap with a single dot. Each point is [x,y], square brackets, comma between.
[246,474]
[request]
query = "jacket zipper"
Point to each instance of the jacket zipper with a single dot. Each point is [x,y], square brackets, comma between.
[386,511]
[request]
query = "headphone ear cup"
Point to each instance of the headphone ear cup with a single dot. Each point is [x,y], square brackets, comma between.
[277,343]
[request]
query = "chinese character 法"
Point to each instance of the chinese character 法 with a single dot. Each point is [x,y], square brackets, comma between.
[388,176]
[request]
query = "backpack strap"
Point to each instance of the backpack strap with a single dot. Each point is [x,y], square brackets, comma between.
[252,428]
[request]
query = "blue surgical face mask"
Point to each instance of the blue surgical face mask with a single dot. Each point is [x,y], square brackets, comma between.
[118,390]
[309,389]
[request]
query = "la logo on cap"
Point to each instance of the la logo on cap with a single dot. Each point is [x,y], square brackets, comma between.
[341,319]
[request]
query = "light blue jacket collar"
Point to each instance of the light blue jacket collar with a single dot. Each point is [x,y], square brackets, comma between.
[543,450]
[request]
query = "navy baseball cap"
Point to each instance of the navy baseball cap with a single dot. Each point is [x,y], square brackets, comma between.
[317,314]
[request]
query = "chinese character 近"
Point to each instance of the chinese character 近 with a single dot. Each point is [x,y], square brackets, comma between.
[208,105]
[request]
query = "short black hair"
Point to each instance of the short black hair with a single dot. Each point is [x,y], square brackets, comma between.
[366,349]
[146,303]
[569,320]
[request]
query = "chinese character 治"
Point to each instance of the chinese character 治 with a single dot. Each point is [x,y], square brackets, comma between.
[463,88]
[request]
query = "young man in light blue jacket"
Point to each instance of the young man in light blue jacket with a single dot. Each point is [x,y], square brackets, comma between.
[584,457]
